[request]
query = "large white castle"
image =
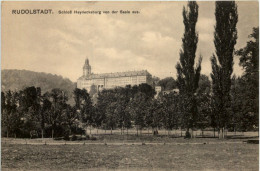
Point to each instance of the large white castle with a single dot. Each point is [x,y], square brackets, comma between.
[111,80]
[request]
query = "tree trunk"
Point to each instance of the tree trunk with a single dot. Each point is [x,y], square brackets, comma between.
[214,132]
[223,133]
[202,133]
[97,130]
[52,133]
[7,134]
[42,133]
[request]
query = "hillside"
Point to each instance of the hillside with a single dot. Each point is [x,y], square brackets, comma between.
[19,79]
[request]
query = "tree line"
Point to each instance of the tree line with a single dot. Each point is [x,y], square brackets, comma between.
[224,102]
[120,108]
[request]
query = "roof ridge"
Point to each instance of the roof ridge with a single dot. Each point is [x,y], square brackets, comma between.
[118,74]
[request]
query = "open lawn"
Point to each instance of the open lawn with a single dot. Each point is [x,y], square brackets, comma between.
[195,154]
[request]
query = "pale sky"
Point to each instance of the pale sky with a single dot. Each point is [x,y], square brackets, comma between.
[59,43]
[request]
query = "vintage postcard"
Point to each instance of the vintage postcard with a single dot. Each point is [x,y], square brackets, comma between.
[162,85]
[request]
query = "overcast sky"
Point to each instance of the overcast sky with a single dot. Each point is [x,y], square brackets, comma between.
[151,40]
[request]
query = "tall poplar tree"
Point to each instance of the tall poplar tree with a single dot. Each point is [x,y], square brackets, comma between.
[187,73]
[225,37]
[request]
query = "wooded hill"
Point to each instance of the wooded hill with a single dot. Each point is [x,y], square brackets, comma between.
[16,80]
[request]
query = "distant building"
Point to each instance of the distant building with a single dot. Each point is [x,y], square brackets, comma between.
[158,90]
[175,91]
[111,80]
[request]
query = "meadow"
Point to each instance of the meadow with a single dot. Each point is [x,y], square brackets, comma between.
[115,152]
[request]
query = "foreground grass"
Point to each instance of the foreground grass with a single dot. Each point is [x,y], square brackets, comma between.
[237,156]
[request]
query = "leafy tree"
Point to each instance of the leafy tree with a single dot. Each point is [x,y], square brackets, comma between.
[111,118]
[249,60]
[154,114]
[104,99]
[170,110]
[77,95]
[93,90]
[204,110]
[11,118]
[122,99]
[2,101]
[237,100]
[225,37]
[70,115]
[87,112]
[203,97]
[138,110]
[30,107]
[84,106]
[147,90]
[46,108]
[155,80]
[187,74]
[204,85]
[58,99]
[167,83]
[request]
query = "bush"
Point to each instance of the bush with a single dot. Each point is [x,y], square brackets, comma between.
[60,131]
[187,135]
[58,138]
[73,138]
[87,137]
[77,130]
[93,138]
[66,137]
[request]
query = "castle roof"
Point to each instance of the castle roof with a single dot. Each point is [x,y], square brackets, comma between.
[116,74]
[86,65]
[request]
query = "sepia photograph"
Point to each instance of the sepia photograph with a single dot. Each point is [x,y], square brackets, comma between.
[130,85]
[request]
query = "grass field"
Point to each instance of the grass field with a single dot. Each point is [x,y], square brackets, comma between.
[195,154]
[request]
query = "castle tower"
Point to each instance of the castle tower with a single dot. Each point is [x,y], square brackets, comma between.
[86,68]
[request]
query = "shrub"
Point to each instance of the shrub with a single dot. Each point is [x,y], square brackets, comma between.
[187,135]
[93,138]
[87,137]
[73,138]
[66,137]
